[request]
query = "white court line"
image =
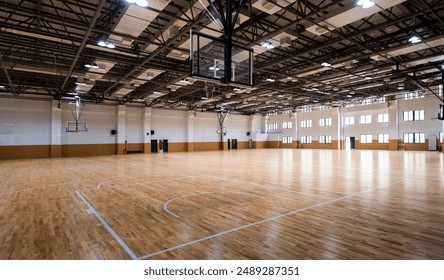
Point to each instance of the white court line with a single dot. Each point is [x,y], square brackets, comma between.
[91,210]
[265,220]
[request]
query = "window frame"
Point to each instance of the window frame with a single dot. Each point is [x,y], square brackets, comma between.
[368,138]
[287,140]
[383,118]
[349,120]
[385,138]
[365,119]
[414,138]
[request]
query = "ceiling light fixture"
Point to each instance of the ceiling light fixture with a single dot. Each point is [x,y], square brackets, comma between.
[2,87]
[414,38]
[110,45]
[91,64]
[326,64]
[365,3]
[214,68]
[267,44]
[104,42]
[142,3]
[270,80]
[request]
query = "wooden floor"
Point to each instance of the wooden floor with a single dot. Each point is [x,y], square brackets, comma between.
[245,204]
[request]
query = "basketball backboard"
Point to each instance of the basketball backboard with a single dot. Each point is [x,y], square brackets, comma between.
[72,126]
[207,60]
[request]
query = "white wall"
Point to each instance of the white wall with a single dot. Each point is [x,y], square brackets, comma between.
[101,119]
[429,126]
[315,131]
[205,127]
[134,125]
[28,122]
[358,129]
[237,127]
[169,125]
[339,131]
[256,124]
[25,122]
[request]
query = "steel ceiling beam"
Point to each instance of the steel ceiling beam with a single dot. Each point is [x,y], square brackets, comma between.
[83,43]
[171,40]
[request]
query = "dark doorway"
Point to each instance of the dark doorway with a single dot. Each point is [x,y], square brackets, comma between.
[352,143]
[234,144]
[154,146]
[229,144]
[165,145]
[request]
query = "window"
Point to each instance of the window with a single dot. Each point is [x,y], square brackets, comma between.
[325,122]
[383,118]
[288,112]
[414,138]
[366,138]
[441,137]
[413,95]
[272,126]
[383,138]
[287,140]
[287,125]
[440,90]
[349,120]
[417,115]
[306,108]
[366,119]
[306,123]
[306,139]
[325,139]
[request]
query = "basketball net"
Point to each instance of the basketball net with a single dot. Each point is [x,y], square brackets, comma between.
[76,108]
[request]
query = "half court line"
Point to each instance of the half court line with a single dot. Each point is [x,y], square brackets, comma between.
[266,220]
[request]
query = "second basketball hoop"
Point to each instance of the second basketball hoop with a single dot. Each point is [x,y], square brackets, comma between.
[207,61]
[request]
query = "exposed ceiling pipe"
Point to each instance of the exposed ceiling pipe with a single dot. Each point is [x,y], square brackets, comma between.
[85,38]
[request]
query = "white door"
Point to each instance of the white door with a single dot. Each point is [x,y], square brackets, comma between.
[432,142]
[347,143]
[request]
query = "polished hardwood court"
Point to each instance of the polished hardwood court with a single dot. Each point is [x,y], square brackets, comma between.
[244,204]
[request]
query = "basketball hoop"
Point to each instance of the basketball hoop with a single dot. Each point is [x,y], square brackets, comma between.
[76,110]
[221,130]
